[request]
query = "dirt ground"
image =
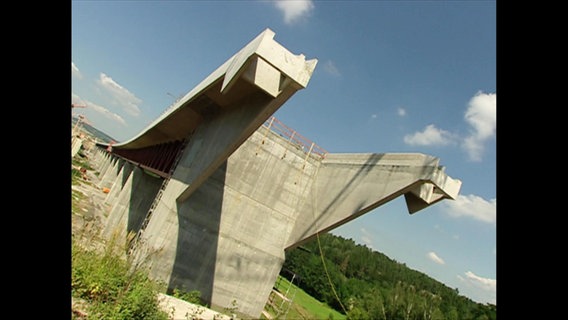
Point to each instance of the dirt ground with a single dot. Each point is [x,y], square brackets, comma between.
[88,208]
[87,218]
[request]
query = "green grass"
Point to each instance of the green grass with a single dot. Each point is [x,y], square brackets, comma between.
[109,285]
[80,162]
[112,288]
[77,198]
[76,177]
[303,305]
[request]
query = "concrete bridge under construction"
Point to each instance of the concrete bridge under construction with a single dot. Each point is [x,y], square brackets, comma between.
[216,189]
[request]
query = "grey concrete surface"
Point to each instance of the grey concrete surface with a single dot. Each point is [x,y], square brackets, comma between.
[182,310]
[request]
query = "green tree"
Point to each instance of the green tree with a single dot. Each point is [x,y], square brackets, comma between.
[355,270]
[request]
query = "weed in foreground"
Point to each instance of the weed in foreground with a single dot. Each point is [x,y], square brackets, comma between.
[112,288]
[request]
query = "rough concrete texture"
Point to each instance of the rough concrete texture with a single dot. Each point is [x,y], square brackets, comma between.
[349,185]
[179,309]
[129,209]
[75,145]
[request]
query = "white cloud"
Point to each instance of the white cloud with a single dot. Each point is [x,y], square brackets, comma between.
[75,71]
[121,95]
[75,99]
[488,286]
[431,136]
[107,113]
[374,116]
[99,109]
[401,112]
[330,68]
[434,257]
[472,206]
[482,116]
[367,238]
[442,231]
[294,9]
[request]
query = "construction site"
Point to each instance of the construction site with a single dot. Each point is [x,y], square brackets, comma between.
[218,189]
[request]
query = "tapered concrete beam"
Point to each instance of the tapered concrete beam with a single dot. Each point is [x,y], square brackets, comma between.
[347,186]
[273,60]
[438,187]
[275,75]
[263,65]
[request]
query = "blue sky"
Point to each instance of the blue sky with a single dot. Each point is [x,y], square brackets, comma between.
[392,76]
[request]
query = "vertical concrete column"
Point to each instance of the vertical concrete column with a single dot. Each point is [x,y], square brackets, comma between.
[107,165]
[108,161]
[94,157]
[350,185]
[266,184]
[76,144]
[97,158]
[227,239]
[198,161]
[119,182]
[132,204]
[111,173]
[160,237]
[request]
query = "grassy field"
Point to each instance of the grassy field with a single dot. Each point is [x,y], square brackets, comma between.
[302,306]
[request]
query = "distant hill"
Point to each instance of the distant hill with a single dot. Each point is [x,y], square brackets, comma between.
[101,136]
[370,285]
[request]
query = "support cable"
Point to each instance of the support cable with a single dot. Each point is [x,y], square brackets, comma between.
[314,204]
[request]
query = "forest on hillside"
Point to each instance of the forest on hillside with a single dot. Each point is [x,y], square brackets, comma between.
[370,285]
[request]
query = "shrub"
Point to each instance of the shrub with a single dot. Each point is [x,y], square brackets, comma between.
[193,296]
[112,288]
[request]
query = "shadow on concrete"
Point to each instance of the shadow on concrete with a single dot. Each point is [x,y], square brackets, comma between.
[110,172]
[145,187]
[125,167]
[199,219]
[316,225]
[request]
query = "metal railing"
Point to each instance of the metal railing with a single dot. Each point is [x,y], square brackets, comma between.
[294,137]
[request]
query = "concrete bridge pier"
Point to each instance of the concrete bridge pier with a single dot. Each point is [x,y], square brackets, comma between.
[98,156]
[111,173]
[76,144]
[228,238]
[132,204]
[105,157]
[107,166]
[119,182]
[106,163]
